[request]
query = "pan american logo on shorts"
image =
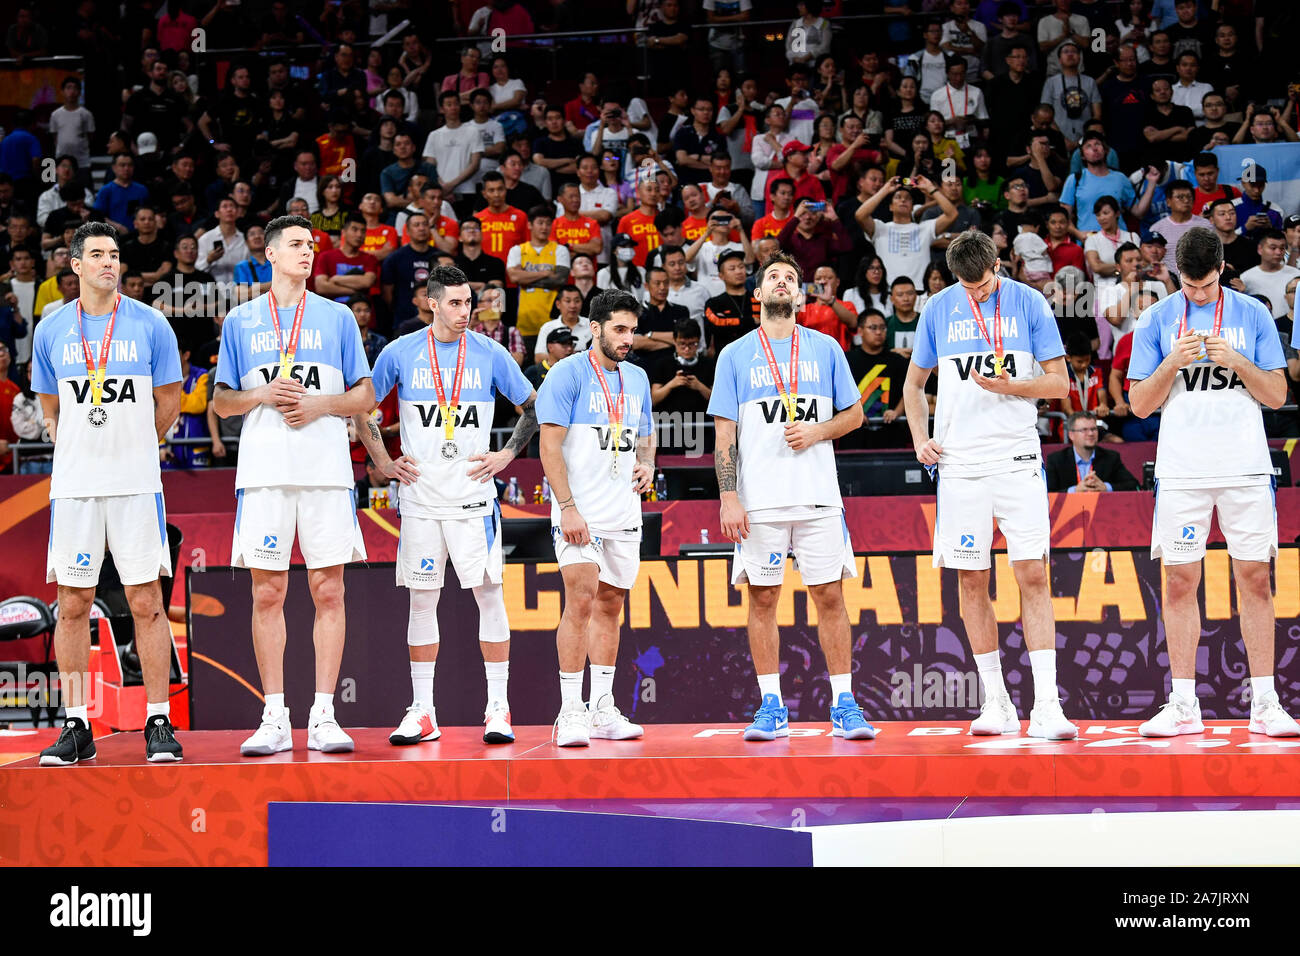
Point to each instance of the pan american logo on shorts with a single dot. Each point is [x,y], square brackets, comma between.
[774,559]
[270,546]
[80,567]
[966,546]
[1189,533]
[426,565]
[1186,542]
[83,559]
[968,541]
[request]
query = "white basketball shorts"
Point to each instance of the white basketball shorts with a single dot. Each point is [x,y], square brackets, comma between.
[473,544]
[619,561]
[822,551]
[963,527]
[134,528]
[325,520]
[1247,518]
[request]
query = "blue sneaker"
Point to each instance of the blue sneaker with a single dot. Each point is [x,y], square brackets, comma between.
[847,720]
[771,720]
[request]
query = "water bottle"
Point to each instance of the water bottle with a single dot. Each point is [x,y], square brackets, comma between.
[704,536]
[661,487]
[546,491]
[512,492]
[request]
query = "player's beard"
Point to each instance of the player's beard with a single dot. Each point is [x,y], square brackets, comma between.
[778,310]
[608,351]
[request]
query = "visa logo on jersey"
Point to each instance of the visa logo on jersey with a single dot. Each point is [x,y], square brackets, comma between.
[1209,378]
[626,441]
[805,410]
[115,390]
[984,365]
[431,416]
[308,376]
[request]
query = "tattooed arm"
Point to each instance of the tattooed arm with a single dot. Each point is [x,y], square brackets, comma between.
[403,469]
[735,523]
[487,464]
[644,470]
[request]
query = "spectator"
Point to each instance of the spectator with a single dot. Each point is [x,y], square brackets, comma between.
[800,106]
[480,268]
[726,42]
[806,185]
[133,285]
[346,271]
[964,37]
[825,312]
[375,489]
[193,420]
[880,373]
[1189,34]
[305,185]
[1254,212]
[569,304]
[1083,465]
[381,238]
[71,125]
[639,224]
[723,193]
[904,246]
[371,340]
[929,66]
[967,218]
[958,120]
[1082,190]
[26,38]
[768,156]
[146,252]
[1270,277]
[519,194]
[9,391]
[1138,280]
[557,152]
[1063,250]
[996,55]
[580,233]
[1074,97]
[1205,167]
[1087,382]
[342,81]
[118,198]
[1264,126]
[504,226]
[65,174]
[707,248]
[903,318]
[681,381]
[1187,91]
[1055,29]
[778,214]
[729,314]
[583,110]
[814,235]
[1167,125]
[329,216]
[696,142]
[539,266]
[405,273]
[191,289]
[1180,219]
[454,149]
[488,319]
[1032,261]
[1238,252]
[396,177]
[491,135]
[559,345]
[14,329]
[1101,246]
[220,249]
[852,152]
[659,317]
[682,290]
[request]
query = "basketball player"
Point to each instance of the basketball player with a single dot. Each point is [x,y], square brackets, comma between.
[293,365]
[448,500]
[1207,359]
[781,394]
[108,372]
[985,333]
[598,451]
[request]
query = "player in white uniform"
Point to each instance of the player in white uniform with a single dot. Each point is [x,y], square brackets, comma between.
[108,372]
[448,499]
[1207,359]
[987,336]
[598,450]
[781,394]
[293,365]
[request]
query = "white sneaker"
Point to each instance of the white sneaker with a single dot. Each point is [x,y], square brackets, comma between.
[1048,720]
[496,724]
[274,736]
[997,716]
[325,734]
[1268,717]
[1177,716]
[573,726]
[608,722]
[416,727]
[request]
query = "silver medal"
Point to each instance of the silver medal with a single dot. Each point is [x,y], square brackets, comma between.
[449,451]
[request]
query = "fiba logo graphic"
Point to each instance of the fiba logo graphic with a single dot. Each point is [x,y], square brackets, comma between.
[426,564]
[270,541]
[83,559]
[1189,533]
[968,540]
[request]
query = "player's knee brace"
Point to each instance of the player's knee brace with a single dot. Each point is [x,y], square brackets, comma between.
[422,623]
[493,627]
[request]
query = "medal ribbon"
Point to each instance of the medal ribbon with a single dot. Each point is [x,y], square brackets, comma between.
[286,355]
[996,340]
[788,397]
[448,411]
[615,411]
[97,370]
[1218,315]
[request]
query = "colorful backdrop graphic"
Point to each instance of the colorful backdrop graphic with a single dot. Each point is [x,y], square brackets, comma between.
[684,656]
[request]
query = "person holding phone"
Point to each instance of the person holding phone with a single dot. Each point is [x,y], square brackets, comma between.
[712,243]
[814,235]
[221,249]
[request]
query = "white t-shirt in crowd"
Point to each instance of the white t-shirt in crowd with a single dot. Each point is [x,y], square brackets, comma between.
[450,150]
[904,248]
[71,130]
[1271,285]
[1032,250]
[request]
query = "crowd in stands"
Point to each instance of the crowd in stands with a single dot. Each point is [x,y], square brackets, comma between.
[1080,134]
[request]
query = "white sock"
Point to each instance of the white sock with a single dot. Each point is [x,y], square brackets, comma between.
[79,713]
[422,683]
[990,668]
[1185,688]
[570,687]
[274,705]
[1043,664]
[323,704]
[840,684]
[1259,687]
[152,710]
[602,682]
[498,675]
[771,684]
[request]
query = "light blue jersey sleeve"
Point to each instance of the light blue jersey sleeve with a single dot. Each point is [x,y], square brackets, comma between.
[925,351]
[845,391]
[1148,349]
[558,395]
[384,375]
[230,364]
[1043,332]
[646,423]
[354,365]
[508,376]
[45,380]
[1268,344]
[723,402]
[165,356]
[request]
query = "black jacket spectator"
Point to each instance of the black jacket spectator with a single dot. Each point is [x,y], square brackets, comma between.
[1062,473]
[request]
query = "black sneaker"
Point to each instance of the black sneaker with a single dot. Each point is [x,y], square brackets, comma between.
[74,743]
[160,743]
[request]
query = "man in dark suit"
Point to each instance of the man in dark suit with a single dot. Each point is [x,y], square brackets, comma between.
[1083,466]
